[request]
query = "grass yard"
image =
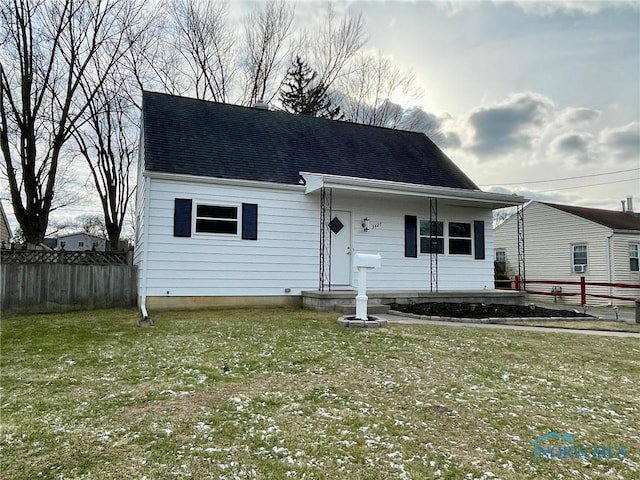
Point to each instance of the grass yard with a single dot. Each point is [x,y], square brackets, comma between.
[289,394]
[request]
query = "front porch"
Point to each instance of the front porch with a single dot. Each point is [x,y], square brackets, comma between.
[345,301]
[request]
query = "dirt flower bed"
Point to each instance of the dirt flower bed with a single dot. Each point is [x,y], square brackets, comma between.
[479,310]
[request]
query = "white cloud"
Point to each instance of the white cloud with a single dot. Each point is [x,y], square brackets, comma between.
[579,115]
[622,144]
[575,146]
[555,196]
[510,126]
[586,7]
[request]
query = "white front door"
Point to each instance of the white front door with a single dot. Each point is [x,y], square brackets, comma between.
[340,249]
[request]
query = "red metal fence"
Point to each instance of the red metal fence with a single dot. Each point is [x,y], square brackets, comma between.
[556,290]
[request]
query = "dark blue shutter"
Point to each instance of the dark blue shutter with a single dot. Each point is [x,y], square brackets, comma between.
[478,239]
[182,217]
[249,221]
[410,236]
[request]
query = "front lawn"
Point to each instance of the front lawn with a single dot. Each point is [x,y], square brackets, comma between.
[289,394]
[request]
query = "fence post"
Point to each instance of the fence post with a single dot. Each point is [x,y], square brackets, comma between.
[62,255]
[583,292]
[517,283]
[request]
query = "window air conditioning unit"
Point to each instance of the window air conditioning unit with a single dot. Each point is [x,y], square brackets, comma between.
[579,268]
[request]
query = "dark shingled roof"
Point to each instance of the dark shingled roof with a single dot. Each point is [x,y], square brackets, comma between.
[608,218]
[196,137]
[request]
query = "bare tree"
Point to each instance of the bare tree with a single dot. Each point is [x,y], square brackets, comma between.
[153,60]
[108,141]
[91,224]
[203,38]
[266,32]
[48,49]
[365,94]
[334,44]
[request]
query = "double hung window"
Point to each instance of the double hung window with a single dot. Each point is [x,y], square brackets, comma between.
[459,238]
[579,258]
[634,257]
[431,237]
[217,219]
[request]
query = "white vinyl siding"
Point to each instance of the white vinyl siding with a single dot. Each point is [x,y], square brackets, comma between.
[456,272]
[622,273]
[286,254]
[139,209]
[549,236]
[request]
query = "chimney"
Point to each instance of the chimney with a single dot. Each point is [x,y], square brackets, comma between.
[630,204]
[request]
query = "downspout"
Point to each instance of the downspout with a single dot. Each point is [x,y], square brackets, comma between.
[609,266]
[145,251]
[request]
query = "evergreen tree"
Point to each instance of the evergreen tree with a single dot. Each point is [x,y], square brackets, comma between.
[299,94]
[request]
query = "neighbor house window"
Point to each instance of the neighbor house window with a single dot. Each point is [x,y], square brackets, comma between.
[634,256]
[459,238]
[431,237]
[217,219]
[80,244]
[579,258]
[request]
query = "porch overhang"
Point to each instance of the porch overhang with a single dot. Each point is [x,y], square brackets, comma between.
[452,196]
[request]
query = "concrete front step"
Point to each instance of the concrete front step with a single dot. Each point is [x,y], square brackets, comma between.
[371,309]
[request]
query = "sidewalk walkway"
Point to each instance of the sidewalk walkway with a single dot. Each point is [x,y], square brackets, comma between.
[627,314]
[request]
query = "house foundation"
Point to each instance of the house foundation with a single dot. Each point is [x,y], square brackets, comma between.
[344,301]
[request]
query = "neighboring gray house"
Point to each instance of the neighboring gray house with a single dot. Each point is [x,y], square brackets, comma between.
[81,241]
[563,242]
[5,229]
[239,205]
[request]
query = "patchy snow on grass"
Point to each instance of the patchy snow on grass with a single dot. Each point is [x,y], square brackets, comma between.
[292,395]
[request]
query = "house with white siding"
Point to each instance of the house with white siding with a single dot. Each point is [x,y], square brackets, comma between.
[564,243]
[239,205]
[5,229]
[81,242]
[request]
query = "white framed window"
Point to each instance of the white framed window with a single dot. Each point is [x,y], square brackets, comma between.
[429,243]
[433,236]
[634,257]
[80,244]
[459,238]
[501,256]
[218,219]
[579,258]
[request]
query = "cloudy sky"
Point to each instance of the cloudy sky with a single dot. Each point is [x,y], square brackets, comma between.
[541,99]
[527,92]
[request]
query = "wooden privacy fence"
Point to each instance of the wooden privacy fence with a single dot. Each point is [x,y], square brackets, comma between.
[54,281]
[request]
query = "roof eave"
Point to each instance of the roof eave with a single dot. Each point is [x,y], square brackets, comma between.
[316,181]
